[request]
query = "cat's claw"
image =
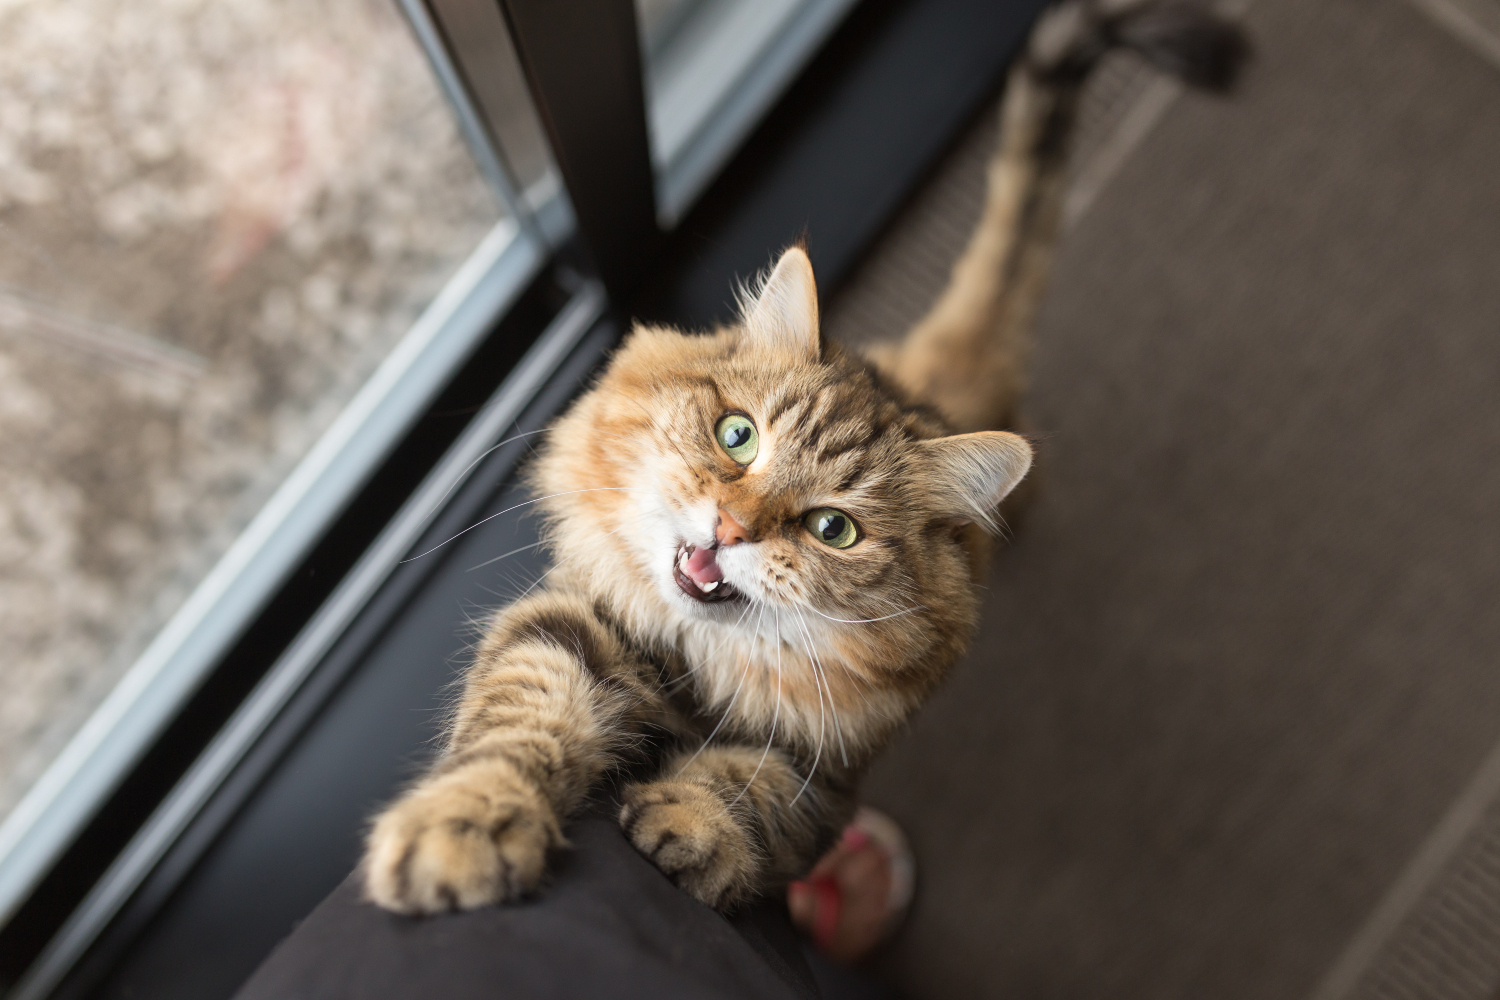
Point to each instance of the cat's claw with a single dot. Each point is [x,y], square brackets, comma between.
[452,847]
[687,832]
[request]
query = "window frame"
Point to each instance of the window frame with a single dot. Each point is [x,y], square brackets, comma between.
[574,238]
[484,55]
[701,108]
[297,665]
[242,583]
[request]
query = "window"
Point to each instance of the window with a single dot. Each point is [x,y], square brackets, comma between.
[215,221]
[712,68]
[242,248]
[224,231]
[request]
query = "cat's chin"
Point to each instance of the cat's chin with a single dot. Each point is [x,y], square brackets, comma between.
[709,591]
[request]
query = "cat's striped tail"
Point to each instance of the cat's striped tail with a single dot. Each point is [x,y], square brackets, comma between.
[968,356]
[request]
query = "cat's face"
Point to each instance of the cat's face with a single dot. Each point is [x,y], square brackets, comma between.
[751,477]
[785,486]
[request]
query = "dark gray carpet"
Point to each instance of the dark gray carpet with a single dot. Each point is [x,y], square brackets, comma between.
[1246,651]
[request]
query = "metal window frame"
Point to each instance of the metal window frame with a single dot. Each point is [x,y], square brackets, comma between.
[293,668]
[588,122]
[715,76]
[240,584]
[154,689]
[582,59]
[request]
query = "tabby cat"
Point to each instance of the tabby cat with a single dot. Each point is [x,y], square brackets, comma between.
[765,549]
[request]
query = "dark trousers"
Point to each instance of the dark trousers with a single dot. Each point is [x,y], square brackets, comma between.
[606,924]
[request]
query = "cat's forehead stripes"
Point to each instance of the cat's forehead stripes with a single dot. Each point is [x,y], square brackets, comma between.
[832,433]
[829,420]
[830,436]
[828,410]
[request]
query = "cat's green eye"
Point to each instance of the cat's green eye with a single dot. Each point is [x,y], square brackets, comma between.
[738,437]
[831,527]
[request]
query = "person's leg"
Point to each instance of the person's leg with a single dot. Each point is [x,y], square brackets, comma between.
[606,924]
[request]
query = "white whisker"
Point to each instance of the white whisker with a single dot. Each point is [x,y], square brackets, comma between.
[727,708]
[838,724]
[565,493]
[818,755]
[687,674]
[864,621]
[507,555]
[775,718]
[534,584]
[482,456]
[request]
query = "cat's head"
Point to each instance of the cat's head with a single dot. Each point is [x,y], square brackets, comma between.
[759,473]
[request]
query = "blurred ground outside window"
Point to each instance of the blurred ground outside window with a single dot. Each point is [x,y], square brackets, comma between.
[215,221]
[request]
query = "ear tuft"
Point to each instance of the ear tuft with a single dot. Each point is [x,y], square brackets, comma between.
[783,314]
[969,474]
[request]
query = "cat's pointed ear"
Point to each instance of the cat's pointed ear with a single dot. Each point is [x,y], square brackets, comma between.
[969,474]
[783,316]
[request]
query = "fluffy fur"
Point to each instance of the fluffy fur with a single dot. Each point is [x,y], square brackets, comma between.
[748,711]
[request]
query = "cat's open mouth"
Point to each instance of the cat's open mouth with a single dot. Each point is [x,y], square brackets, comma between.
[698,574]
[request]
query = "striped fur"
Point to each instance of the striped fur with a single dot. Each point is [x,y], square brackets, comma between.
[747,722]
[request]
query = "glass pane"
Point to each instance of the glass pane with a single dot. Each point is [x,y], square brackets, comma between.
[713,68]
[481,44]
[215,221]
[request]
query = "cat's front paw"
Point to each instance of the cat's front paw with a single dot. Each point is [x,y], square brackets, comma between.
[457,844]
[688,832]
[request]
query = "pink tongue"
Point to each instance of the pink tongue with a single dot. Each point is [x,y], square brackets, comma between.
[702,567]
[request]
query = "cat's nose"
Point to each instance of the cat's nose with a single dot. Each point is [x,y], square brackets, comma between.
[729,531]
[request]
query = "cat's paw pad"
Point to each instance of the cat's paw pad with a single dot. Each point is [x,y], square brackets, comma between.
[686,831]
[452,846]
